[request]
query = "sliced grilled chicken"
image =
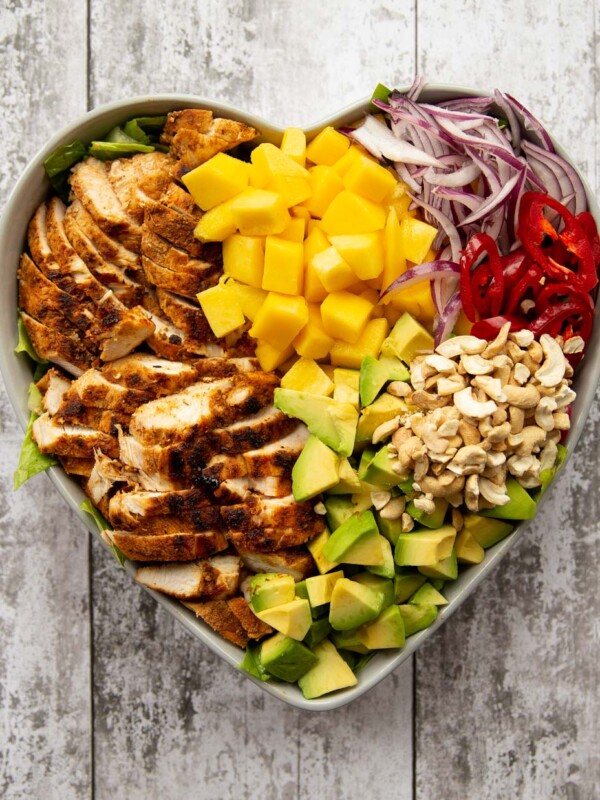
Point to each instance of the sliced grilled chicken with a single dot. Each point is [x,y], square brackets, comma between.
[151,374]
[109,473]
[71,440]
[51,345]
[168,547]
[174,259]
[81,467]
[110,249]
[254,627]
[194,135]
[267,540]
[91,185]
[272,512]
[53,386]
[223,367]
[182,283]
[186,316]
[131,508]
[237,490]
[109,421]
[140,178]
[254,432]
[95,390]
[204,518]
[175,227]
[297,562]
[215,578]
[221,619]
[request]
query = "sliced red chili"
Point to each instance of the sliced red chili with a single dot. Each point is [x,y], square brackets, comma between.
[490,328]
[553,319]
[588,223]
[555,294]
[478,245]
[526,288]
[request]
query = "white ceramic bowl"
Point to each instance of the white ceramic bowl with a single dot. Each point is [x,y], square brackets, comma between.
[29,192]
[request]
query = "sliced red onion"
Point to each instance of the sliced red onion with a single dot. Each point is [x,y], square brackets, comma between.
[567,177]
[442,291]
[513,122]
[447,320]
[480,104]
[431,271]
[460,177]
[381,142]
[406,177]
[468,199]
[493,202]
[445,222]
[530,123]
[417,87]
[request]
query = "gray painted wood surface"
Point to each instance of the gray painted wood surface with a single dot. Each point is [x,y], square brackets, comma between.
[102,694]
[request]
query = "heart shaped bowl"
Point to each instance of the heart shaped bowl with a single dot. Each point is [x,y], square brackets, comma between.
[31,189]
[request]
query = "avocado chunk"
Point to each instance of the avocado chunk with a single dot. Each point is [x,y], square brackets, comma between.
[329,673]
[468,549]
[332,422]
[385,632]
[520,506]
[348,640]
[302,592]
[434,520]
[348,482]
[405,585]
[356,541]
[285,658]
[380,473]
[317,632]
[320,587]
[252,663]
[390,528]
[485,530]
[374,374]
[339,509]
[353,604]
[406,339]
[387,569]
[383,409]
[446,568]
[425,547]
[427,595]
[367,455]
[383,585]
[293,619]
[416,618]
[315,548]
[271,589]
[315,470]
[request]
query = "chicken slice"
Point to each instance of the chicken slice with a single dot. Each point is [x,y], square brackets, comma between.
[237,490]
[130,508]
[253,432]
[93,389]
[186,284]
[53,386]
[223,367]
[109,249]
[81,467]
[296,561]
[186,316]
[51,345]
[254,627]
[174,259]
[219,616]
[71,440]
[180,200]
[273,512]
[168,547]
[268,540]
[215,578]
[176,228]
[108,473]
[141,178]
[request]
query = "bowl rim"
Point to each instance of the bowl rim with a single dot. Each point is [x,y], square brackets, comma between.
[11,370]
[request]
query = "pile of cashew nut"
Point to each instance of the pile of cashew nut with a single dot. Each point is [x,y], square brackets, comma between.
[478,412]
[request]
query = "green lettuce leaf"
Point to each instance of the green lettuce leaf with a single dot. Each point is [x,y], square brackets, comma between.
[24,344]
[31,460]
[103,524]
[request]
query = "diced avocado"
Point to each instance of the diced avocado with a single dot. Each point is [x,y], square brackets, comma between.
[315,612]
[367,455]
[406,585]
[380,473]
[390,528]
[339,509]
[520,506]
[438,583]
[468,549]
[406,339]
[383,409]
[424,548]
[348,482]
[353,604]
[446,568]
[427,595]
[315,470]
[348,640]
[435,520]
[374,374]
[416,618]
[387,569]
[252,663]
[315,548]
[345,386]
[383,585]
[332,422]
[329,673]
[485,530]
[356,541]
[317,632]
[406,487]
[385,632]
[271,589]
[351,658]
[294,618]
[320,587]
[285,658]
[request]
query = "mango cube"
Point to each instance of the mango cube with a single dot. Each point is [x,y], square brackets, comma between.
[463,325]
[300,212]
[363,252]
[243,258]
[369,179]
[272,169]
[394,260]
[325,184]
[284,266]
[280,319]
[349,213]
[416,300]
[307,376]
[327,147]
[257,212]
[315,242]
[221,309]
[292,188]
[249,297]
[295,230]
[348,160]
[313,341]
[345,315]
[293,145]
[270,357]
[368,344]
[217,224]
[218,179]
[416,237]
[333,272]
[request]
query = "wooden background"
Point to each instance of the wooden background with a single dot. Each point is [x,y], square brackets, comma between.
[102,695]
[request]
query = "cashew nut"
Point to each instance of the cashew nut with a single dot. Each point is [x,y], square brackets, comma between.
[470,407]
[552,370]
[499,433]
[491,386]
[440,363]
[476,365]
[535,352]
[543,413]
[461,345]
[469,460]
[548,455]
[428,401]
[385,430]
[522,396]
[442,486]
[425,504]
[407,523]
[421,467]
[562,421]
[495,347]
[521,373]
[573,345]
[514,352]
[399,389]
[394,509]
[495,459]
[472,493]
[449,427]
[434,442]
[457,520]
[523,338]
[532,439]
[517,419]
[564,396]
[447,386]
[519,465]
[380,499]
[493,493]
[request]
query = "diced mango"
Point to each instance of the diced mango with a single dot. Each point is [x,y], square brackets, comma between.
[307,376]
[463,325]
[313,341]
[368,344]
[268,161]
[217,224]
[325,184]
[280,319]
[394,260]
[313,224]
[333,272]
[270,357]
[327,147]
[295,231]
[292,188]
[300,212]
[221,309]
[348,160]
[401,201]
[416,237]
[345,315]
[284,266]
[369,179]
[349,213]
[243,258]
[416,300]
[249,297]
[293,144]
[257,212]
[218,179]
[364,253]
[315,242]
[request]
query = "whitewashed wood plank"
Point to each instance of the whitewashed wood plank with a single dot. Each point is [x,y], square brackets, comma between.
[507,691]
[45,708]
